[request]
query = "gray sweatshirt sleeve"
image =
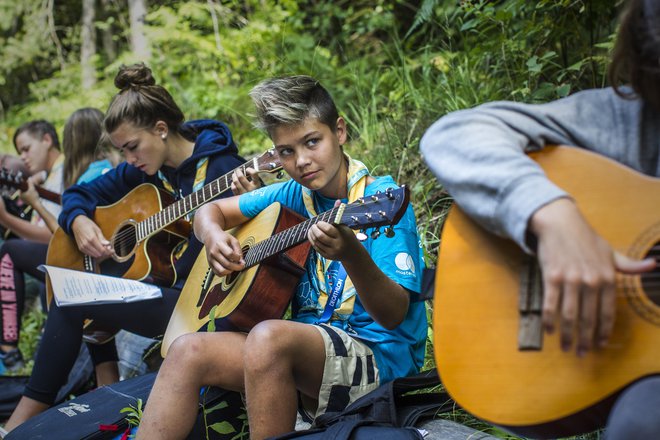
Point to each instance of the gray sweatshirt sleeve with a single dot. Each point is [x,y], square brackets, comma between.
[478,154]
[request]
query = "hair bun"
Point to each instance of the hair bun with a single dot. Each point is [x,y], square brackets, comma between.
[134,75]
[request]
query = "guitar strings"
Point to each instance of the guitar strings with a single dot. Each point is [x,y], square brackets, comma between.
[128,234]
[171,210]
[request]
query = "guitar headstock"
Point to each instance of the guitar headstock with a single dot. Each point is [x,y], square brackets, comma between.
[267,162]
[10,181]
[380,209]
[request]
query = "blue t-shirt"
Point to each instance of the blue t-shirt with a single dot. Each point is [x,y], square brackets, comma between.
[94,170]
[398,352]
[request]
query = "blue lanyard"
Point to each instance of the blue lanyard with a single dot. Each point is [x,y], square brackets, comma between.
[336,287]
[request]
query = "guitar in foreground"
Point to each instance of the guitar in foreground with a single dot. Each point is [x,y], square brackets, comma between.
[490,351]
[11,181]
[275,250]
[146,227]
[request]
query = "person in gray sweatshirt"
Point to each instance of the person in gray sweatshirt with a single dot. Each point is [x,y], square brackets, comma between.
[479,156]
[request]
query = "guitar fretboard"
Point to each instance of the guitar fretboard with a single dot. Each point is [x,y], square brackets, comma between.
[189,203]
[286,239]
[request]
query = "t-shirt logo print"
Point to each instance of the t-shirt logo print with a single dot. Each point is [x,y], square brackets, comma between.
[404,262]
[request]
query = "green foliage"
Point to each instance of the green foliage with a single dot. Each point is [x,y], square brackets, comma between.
[31,325]
[133,413]
[211,326]
[226,427]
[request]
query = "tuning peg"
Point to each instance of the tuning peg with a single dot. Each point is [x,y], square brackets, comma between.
[361,236]
[389,194]
[389,232]
[375,233]
[280,174]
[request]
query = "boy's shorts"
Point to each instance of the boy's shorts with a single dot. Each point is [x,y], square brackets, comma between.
[350,371]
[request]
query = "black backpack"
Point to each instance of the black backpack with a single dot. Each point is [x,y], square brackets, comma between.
[80,380]
[387,413]
[98,414]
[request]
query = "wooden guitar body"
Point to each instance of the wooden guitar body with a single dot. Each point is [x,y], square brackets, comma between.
[151,260]
[546,393]
[245,298]
[146,228]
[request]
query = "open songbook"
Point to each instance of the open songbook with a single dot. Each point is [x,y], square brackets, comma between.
[72,287]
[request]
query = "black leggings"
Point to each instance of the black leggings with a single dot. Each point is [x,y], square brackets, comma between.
[17,257]
[64,331]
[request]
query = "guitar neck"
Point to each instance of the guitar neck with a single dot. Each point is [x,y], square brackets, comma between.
[49,195]
[288,238]
[12,180]
[374,211]
[191,202]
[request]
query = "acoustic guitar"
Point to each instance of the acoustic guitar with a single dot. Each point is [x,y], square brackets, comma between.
[146,228]
[275,250]
[491,353]
[11,181]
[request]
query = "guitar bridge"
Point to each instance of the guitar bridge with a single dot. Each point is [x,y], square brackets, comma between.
[530,329]
[88,264]
[206,284]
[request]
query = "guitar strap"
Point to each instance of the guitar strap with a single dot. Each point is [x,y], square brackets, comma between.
[200,178]
[331,280]
[198,183]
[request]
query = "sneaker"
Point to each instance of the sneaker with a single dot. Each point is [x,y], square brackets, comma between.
[11,361]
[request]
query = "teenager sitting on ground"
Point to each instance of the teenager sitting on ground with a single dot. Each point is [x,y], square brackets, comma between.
[478,155]
[84,159]
[376,334]
[144,123]
[38,146]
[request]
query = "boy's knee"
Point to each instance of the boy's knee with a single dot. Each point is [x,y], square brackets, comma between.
[186,349]
[265,344]
[265,335]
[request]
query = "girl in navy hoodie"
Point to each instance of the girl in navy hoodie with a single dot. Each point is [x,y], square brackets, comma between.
[148,128]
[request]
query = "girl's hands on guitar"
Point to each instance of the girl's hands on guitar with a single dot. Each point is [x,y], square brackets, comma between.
[579,269]
[223,252]
[89,238]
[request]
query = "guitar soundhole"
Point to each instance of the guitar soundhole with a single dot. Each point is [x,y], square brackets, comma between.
[125,240]
[651,280]
[229,279]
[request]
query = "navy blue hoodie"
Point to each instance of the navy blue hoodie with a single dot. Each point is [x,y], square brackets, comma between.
[212,139]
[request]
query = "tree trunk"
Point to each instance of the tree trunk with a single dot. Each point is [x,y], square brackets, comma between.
[88,46]
[137,10]
[109,46]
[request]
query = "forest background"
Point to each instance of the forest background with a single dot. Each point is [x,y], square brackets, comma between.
[393,67]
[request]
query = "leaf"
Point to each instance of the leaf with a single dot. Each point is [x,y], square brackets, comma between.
[576,66]
[223,428]
[220,405]
[423,15]
[211,327]
[533,64]
[469,24]
[563,90]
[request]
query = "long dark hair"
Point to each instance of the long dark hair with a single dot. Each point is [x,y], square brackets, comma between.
[82,133]
[636,57]
[141,101]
